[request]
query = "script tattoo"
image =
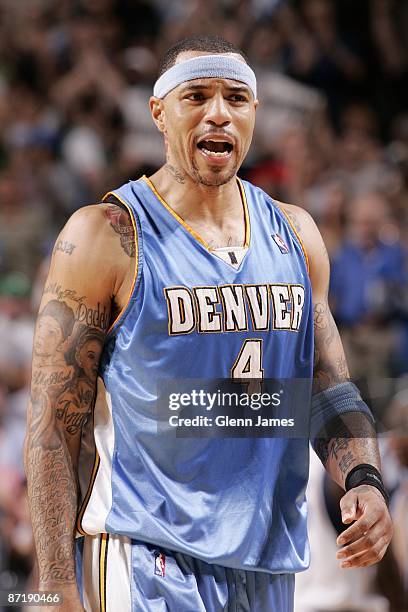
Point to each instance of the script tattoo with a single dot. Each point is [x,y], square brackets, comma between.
[337,445]
[122,225]
[346,462]
[99,316]
[64,247]
[178,176]
[52,500]
[61,294]
[346,441]
[67,347]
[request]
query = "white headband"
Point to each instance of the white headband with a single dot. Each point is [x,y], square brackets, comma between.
[205,66]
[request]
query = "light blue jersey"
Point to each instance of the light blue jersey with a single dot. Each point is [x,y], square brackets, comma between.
[196,314]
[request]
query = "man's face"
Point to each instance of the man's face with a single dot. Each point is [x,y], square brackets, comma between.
[208,125]
[49,336]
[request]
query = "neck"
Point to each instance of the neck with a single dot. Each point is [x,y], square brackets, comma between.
[195,201]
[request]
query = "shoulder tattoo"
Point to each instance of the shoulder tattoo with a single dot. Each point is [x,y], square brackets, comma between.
[121,223]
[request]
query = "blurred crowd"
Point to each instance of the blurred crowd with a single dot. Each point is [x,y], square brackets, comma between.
[331,136]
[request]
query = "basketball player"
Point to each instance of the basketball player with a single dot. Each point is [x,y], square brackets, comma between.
[193,274]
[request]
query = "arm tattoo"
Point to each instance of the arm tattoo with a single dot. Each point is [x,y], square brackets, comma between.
[65,362]
[330,367]
[337,450]
[175,173]
[52,499]
[346,441]
[294,219]
[122,225]
[337,445]
[64,247]
[346,462]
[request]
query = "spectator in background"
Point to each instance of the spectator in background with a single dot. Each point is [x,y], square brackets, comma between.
[16,331]
[24,227]
[360,160]
[368,272]
[388,22]
[320,55]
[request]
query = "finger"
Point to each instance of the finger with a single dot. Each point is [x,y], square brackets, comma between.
[348,506]
[360,527]
[368,557]
[366,542]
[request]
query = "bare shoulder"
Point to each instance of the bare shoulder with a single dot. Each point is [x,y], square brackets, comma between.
[301,220]
[98,244]
[98,221]
[312,240]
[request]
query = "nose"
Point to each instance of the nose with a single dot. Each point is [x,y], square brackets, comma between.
[217,111]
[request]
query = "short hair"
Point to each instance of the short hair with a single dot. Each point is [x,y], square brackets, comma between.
[62,313]
[212,44]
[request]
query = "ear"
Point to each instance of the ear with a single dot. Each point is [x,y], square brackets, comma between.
[157,112]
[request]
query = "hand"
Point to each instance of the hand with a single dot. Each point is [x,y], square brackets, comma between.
[365,542]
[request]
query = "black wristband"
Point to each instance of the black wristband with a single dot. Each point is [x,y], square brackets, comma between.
[366,474]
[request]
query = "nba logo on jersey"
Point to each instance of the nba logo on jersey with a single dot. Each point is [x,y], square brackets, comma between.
[283,247]
[160,564]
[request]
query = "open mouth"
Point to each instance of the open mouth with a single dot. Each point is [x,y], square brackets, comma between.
[215,148]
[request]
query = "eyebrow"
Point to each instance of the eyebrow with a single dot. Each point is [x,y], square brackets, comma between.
[234,88]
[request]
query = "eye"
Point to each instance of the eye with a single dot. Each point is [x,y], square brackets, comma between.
[238,98]
[195,96]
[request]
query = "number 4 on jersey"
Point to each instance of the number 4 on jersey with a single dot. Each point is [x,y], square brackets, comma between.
[248,365]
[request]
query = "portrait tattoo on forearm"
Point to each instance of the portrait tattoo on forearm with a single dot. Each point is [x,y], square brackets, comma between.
[68,344]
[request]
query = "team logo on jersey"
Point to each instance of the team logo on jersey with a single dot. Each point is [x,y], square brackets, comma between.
[160,564]
[283,247]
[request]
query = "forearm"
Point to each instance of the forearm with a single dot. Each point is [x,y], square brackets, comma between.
[52,495]
[350,438]
[352,442]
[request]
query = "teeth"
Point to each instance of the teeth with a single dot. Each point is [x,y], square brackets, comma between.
[213,153]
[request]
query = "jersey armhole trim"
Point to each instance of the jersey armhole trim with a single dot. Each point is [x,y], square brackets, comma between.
[136,269]
[294,230]
[85,502]
[247,240]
